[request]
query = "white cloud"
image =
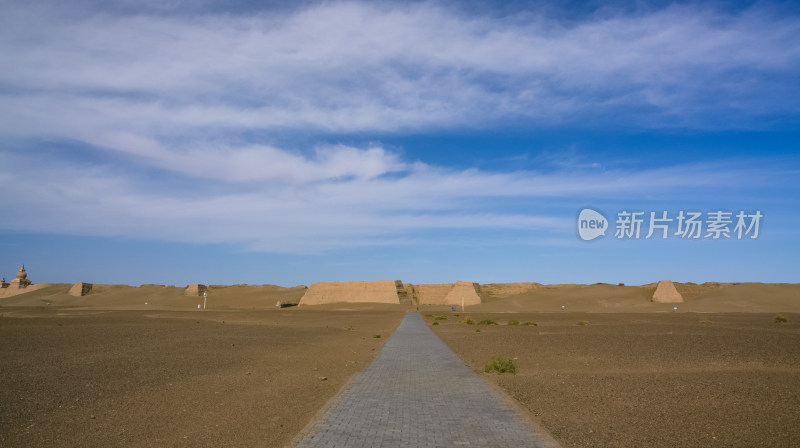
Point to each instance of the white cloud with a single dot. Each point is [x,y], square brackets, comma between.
[361,67]
[58,196]
[174,97]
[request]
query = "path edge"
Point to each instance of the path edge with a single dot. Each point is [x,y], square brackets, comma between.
[320,414]
[530,422]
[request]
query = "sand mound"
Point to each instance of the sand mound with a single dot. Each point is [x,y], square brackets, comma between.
[80,289]
[497,291]
[379,291]
[11,292]
[152,297]
[666,293]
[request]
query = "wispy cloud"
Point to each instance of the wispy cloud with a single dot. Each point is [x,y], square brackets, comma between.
[347,66]
[327,212]
[175,99]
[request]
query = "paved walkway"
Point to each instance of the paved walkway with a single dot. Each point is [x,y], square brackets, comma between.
[418,393]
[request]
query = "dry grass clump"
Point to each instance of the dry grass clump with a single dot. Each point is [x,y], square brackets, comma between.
[500,364]
[440,318]
[583,322]
[781,319]
[468,321]
[513,322]
[487,322]
[530,324]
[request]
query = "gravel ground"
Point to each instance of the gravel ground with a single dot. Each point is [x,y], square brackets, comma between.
[128,378]
[645,380]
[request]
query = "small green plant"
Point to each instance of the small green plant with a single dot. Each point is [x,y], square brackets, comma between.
[781,319]
[469,321]
[477,330]
[377,336]
[583,323]
[513,322]
[487,322]
[530,324]
[436,323]
[500,364]
[441,318]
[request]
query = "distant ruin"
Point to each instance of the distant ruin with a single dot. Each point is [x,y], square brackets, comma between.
[387,291]
[20,282]
[379,291]
[195,289]
[447,293]
[666,293]
[80,289]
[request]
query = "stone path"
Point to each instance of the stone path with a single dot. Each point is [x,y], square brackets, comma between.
[418,393]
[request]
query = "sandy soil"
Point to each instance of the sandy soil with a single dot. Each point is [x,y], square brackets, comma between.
[166,378]
[658,380]
[152,297]
[599,298]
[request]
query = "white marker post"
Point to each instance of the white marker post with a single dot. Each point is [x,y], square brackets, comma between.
[205,297]
[462,304]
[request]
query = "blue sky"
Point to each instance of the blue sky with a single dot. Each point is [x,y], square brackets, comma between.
[241,142]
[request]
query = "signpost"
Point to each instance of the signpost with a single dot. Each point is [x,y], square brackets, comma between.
[205,296]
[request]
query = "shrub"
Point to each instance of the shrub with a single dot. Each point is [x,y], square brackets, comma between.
[377,336]
[436,323]
[531,324]
[469,321]
[513,322]
[583,322]
[500,364]
[781,319]
[441,318]
[487,322]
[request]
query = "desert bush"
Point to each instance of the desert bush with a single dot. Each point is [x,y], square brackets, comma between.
[583,322]
[781,319]
[377,336]
[441,318]
[500,364]
[487,322]
[436,323]
[531,324]
[469,321]
[513,322]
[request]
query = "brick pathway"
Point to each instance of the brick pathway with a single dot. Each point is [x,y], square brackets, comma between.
[418,393]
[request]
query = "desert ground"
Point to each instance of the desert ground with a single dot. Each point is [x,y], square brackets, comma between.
[141,366]
[171,378]
[645,380]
